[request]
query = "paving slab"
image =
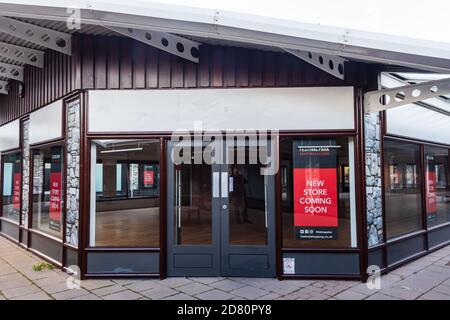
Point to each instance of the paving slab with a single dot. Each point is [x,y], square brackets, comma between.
[215,295]
[194,288]
[249,292]
[159,292]
[122,295]
[227,285]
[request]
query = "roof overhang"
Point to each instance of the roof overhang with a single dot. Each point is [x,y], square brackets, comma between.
[243,28]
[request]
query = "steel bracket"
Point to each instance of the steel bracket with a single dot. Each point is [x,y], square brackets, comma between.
[380,100]
[168,42]
[333,65]
[55,40]
[11,71]
[22,54]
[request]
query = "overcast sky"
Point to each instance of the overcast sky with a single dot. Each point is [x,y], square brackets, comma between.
[415,19]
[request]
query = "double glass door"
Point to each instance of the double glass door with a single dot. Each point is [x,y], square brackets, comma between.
[220,215]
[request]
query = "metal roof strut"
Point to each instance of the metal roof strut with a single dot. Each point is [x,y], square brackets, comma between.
[380,100]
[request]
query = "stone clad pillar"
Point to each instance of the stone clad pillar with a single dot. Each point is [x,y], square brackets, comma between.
[25,172]
[373,178]
[73,172]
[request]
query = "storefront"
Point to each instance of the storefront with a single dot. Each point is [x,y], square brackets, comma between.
[122,159]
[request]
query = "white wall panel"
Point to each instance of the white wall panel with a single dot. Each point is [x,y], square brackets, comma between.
[10,135]
[418,122]
[258,108]
[46,123]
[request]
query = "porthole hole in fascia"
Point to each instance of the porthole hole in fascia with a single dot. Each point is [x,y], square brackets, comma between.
[331,64]
[130,30]
[148,36]
[385,99]
[341,68]
[12,27]
[310,55]
[194,52]
[400,96]
[60,42]
[180,47]
[45,37]
[18,54]
[320,59]
[434,89]
[164,42]
[29,33]
[416,93]
[32,57]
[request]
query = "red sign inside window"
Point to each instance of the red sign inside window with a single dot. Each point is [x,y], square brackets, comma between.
[315,189]
[431,199]
[55,200]
[149,176]
[16,190]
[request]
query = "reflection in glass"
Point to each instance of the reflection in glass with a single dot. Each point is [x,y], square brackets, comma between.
[403,199]
[192,203]
[12,178]
[437,185]
[127,193]
[48,182]
[247,191]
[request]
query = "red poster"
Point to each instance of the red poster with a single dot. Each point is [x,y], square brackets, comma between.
[149,176]
[55,200]
[16,190]
[315,195]
[315,189]
[431,200]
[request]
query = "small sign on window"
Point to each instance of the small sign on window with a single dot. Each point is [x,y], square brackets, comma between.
[289,265]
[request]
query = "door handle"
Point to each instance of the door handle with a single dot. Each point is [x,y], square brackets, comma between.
[216,184]
[224,184]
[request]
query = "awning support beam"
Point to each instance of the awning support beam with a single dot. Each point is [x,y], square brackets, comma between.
[380,100]
[22,54]
[55,40]
[11,71]
[168,42]
[333,65]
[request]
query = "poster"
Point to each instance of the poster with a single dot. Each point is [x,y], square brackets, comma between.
[289,265]
[315,189]
[55,190]
[431,199]
[17,178]
[149,177]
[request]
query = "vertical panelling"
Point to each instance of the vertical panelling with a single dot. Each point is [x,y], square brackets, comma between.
[87,63]
[177,72]
[217,67]
[255,68]
[203,73]
[151,66]
[229,69]
[113,64]
[242,68]
[164,74]
[138,56]
[126,68]
[282,70]
[268,75]
[295,72]
[190,74]
[100,60]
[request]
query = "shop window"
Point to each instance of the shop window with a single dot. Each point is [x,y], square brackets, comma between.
[318,195]
[125,208]
[48,190]
[12,177]
[402,179]
[437,185]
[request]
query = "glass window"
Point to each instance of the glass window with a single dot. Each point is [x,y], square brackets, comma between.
[48,182]
[125,211]
[12,178]
[402,188]
[318,200]
[437,185]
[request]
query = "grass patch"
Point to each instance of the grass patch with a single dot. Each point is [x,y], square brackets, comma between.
[42,266]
